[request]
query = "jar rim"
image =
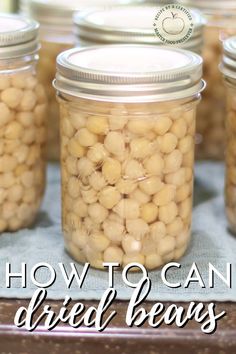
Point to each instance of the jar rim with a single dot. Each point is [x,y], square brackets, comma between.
[106,26]
[84,72]
[228,65]
[60,12]
[18,36]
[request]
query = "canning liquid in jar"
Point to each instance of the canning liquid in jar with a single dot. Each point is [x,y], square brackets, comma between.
[228,68]
[23,108]
[127,153]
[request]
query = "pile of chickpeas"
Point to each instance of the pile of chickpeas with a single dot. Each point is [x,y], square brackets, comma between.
[46,74]
[231,161]
[127,181]
[22,139]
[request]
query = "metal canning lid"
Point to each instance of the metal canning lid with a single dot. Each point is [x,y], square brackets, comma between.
[18,36]
[60,12]
[129,73]
[228,65]
[211,6]
[129,24]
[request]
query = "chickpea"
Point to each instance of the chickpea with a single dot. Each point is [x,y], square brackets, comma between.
[127,209]
[71,165]
[111,170]
[109,197]
[167,213]
[89,196]
[97,153]
[186,144]
[131,245]
[133,170]
[117,123]
[86,138]
[80,208]
[113,254]
[12,97]
[139,126]
[125,186]
[5,114]
[97,181]
[153,261]
[75,148]
[149,212]
[113,230]
[114,143]
[154,165]
[98,242]
[151,185]
[140,148]
[162,125]
[165,195]
[173,161]
[80,238]
[158,231]
[175,228]
[167,143]
[140,196]
[177,178]
[179,128]
[28,101]
[14,131]
[85,167]
[138,228]
[15,193]
[97,125]
[166,247]
[97,212]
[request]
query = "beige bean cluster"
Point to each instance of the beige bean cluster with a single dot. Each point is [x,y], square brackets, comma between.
[127,181]
[22,137]
[211,111]
[46,72]
[230,188]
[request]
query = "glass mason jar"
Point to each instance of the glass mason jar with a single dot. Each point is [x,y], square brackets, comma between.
[221,16]
[130,24]
[127,152]
[228,68]
[56,35]
[22,124]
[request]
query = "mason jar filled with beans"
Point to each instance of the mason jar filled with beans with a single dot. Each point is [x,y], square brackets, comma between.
[130,24]
[56,35]
[221,23]
[23,108]
[127,152]
[228,68]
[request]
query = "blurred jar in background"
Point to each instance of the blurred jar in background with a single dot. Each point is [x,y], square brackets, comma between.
[56,35]
[221,23]
[131,24]
[228,69]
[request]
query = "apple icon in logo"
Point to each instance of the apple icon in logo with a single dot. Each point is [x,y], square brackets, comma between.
[173,25]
